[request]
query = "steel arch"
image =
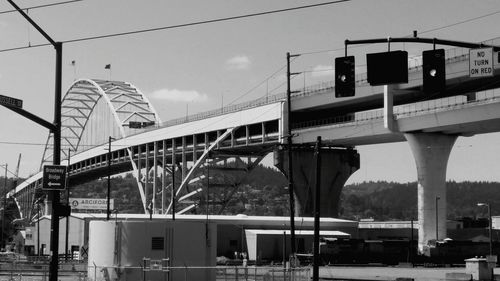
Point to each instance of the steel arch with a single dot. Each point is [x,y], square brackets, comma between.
[124,100]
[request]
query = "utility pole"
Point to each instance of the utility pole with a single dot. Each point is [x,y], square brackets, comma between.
[108,211]
[289,150]
[172,195]
[55,128]
[38,229]
[4,206]
[67,201]
[317,197]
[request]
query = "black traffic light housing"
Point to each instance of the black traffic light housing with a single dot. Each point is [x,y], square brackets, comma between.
[434,71]
[387,68]
[344,77]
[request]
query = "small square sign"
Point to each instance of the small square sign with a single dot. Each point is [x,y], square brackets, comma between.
[481,62]
[54,177]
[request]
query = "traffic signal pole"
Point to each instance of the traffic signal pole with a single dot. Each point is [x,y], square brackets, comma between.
[56,133]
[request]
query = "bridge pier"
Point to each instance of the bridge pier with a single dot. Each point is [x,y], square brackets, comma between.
[431,152]
[337,166]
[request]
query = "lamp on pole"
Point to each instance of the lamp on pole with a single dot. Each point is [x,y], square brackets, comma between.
[437,220]
[489,223]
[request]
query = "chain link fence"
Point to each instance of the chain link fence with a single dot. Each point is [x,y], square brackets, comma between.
[38,270]
[190,273]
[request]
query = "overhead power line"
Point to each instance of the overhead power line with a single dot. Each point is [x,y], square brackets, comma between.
[207,21]
[460,22]
[41,6]
[183,25]
[419,32]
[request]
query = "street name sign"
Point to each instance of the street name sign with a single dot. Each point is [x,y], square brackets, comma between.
[481,62]
[54,177]
[11,102]
[91,203]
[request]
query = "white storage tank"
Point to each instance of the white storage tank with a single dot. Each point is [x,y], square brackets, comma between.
[151,250]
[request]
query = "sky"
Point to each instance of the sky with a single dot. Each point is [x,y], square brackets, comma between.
[192,69]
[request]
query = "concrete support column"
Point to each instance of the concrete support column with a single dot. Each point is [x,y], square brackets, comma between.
[337,165]
[431,152]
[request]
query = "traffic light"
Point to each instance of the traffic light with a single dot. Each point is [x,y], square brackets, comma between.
[387,68]
[434,71]
[344,77]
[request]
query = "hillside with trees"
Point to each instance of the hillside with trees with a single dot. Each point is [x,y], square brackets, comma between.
[263,192]
[398,201]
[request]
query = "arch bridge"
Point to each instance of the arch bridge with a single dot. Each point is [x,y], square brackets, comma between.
[171,161]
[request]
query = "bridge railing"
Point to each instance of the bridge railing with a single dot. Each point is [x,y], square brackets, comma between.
[407,110]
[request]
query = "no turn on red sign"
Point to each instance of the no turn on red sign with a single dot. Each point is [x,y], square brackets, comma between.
[481,62]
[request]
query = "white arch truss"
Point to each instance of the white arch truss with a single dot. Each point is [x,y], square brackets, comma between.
[124,101]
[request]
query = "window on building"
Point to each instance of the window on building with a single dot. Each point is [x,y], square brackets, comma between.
[157,243]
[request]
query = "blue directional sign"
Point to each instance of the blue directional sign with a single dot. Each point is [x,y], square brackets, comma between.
[54,177]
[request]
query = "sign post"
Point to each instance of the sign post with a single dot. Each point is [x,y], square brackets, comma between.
[54,177]
[481,62]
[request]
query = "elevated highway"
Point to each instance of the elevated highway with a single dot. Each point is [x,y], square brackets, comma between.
[238,137]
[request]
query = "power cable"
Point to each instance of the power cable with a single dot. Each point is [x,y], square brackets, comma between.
[408,35]
[41,6]
[183,25]
[460,22]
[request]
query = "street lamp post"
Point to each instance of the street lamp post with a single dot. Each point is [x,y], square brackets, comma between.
[489,223]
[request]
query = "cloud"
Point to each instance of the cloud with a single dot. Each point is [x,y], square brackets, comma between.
[238,63]
[179,95]
[322,71]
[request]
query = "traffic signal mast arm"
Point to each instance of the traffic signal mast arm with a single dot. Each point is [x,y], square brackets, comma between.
[420,40]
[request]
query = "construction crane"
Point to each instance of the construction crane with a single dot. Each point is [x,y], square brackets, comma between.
[16,176]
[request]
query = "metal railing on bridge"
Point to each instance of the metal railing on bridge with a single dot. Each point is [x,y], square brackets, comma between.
[407,110]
